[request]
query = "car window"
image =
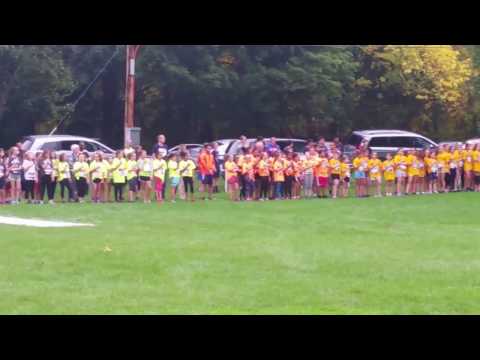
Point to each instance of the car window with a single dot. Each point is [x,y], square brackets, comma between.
[422,143]
[52,146]
[91,147]
[298,146]
[402,141]
[67,145]
[379,142]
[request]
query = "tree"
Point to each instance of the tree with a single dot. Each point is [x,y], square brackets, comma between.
[33,87]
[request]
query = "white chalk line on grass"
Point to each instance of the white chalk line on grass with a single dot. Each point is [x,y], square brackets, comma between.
[8,220]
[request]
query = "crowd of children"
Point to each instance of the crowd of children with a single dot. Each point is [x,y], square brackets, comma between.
[258,173]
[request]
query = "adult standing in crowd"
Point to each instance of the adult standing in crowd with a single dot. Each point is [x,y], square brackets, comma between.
[72,159]
[216,174]
[259,144]
[272,146]
[161,146]
[244,143]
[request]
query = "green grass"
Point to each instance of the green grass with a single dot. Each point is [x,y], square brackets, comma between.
[410,255]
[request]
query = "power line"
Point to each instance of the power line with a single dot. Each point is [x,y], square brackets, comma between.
[84,92]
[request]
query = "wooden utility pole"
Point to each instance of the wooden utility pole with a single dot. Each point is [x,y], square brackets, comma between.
[132,52]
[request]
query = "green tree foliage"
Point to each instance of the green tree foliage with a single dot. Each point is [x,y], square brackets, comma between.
[196,93]
[34,83]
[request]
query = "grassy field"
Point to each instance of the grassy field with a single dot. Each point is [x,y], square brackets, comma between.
[410,255]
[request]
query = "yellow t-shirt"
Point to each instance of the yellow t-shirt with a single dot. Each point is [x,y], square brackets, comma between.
[159,168]
[476,161]
[455,159]
[81,170]
[467,157]
[401,162]
[344,170]
[231,169]
[444,161]
[55,168]
[146,167]
[360,163]
[263,168]
[421,168]
[172,169]
[97,170]
[132,167]
[335,166]
[278,175]
[63,170]
[240,160]
[375,167]
[308,165]
[186,168]
[108,168]
[119,173]
[412,163]
[388,167]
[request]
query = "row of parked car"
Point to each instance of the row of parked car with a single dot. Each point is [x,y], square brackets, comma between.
[380,141]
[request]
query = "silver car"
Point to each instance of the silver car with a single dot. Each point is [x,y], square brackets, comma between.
[298,145]
[62,144]
[387,141]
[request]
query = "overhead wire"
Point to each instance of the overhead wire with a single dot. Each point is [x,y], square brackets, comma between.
[84,92]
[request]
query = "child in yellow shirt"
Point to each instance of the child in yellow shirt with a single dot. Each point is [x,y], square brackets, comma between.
[422,175]
[431,166]
[467,157]
[401,163]
[388,167]
[360,166]
[345,176]
[476,166]
[231,175]
[443,158]
[375,175]
[335,170]
[412,172]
